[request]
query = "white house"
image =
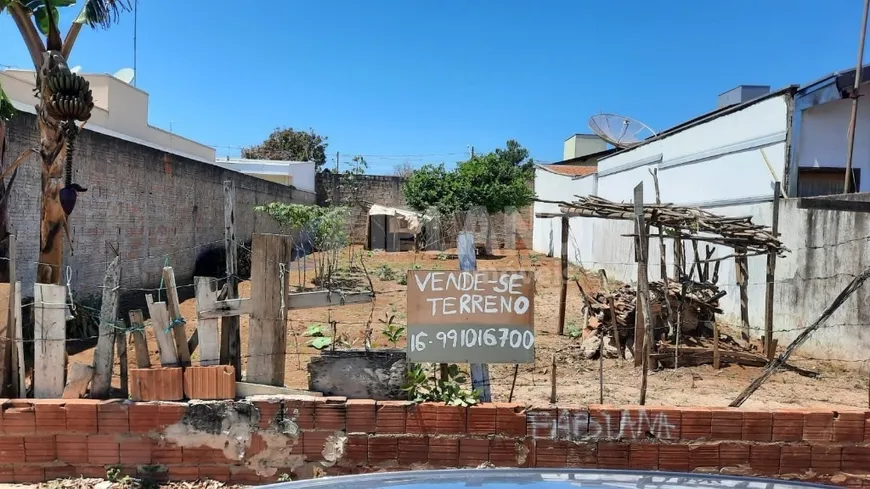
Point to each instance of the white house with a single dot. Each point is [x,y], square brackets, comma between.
[299,174]
[728,161]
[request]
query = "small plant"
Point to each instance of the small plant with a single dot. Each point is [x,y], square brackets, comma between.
[318,340]
[285,477]
[573,330]
[391,330]
[441,256]
[113,474]
[416,266]
[385,273]
[403,280]
[422,387]
[535,258]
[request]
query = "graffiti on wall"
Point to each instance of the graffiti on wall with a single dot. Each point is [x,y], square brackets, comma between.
[628,424]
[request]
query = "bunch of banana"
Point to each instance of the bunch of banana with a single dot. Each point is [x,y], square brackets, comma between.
[71,97]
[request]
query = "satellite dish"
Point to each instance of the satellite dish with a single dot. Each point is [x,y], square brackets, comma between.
[126,75]
[76,69]
[620,131]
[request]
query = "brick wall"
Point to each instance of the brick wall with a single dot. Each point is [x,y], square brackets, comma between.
[257,441]
[387,191]
[146,202]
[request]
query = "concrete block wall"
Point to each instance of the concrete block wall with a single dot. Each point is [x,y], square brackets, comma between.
[510,231]
[147,203]
[258,440]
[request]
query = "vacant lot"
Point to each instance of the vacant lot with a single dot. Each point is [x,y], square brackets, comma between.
[577,378]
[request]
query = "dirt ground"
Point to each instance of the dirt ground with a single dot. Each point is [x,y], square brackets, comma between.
[577,378]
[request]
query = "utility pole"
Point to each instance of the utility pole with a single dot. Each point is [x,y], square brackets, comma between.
[472,151]
[336,161]
[854,96]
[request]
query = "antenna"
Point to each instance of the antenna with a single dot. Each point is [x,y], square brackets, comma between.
[620,131]
[126,75]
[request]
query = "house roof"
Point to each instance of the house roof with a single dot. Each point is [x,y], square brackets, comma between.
[569,170]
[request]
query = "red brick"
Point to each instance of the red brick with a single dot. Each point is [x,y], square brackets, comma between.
[819,426]
[613,455]
[390,417]
[451,420]
[636,422]
[301,411]
[6,475]
[103,450]
[674,458]
[12,449]
[443,452]
[849,426]
[757,426]
[383,450]
[826,459]
[183,473]
[200,455]
[244,476]
[788,425]
[421,419]
[72,449]
[313,443]
[268,409]
[19,418]
[165,453]
[481,419]
[203,382]
[703,456]
[733,454]
[696,424]
[135,451]
[583,455]
[61,472]
[502,451]
[473,452]
[51,417]
[510,419]
[572,423]
[413,450]
[90,471]
[855,459]
[171,413]
[159,384]
[727,424]
[543,423]
[144,417]
[81,416]
[215,472]
[765,458]
[529,451]
[360,416]
[604,421]
[330,416]
[39,448]
[356,450]
[665,423]
[27,474]
[551,453]
[113,418]
[644,456]
[795,459]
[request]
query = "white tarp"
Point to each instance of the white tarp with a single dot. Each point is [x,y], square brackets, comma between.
[409,221]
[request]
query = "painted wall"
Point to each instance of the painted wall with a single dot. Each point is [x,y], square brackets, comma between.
[300,174]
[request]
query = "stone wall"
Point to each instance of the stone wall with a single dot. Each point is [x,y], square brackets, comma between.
[148,204]
[512,230]
[261,439]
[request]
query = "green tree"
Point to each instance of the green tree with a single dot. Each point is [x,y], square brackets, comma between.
[63,98]
[434,188]
[290,145]
[499,180]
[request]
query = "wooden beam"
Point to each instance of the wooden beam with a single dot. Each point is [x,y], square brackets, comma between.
[325,298]
[101,384]
[174,307]
[140,342]
[742,269]
[160,322]
[16,364]
[563,291]
[225,308]
[49,340]
[80,375]
[231,342]
[643,288]
[207,291]
[18,326]
[121,346]
[245,389]
[769,342]
[267,337]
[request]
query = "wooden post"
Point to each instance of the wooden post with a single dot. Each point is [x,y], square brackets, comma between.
[639,324]
[207,292]
[553,380]
[14,291]
[160,322]
[742,282]
[716,356]
[175,319]
[468,261]
[563,292]
[49,345]
[101,384]
[679,254]
[140,343]
[769,345]
[231,350]
[121,345]
[643,287]
[267,336]
[17,325]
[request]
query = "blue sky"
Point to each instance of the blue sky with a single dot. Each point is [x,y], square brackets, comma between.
[421,81]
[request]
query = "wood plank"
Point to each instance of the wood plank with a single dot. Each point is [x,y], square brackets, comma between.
[643,288]
[742,269]
[16,364]
[140,342]
[121,346]
[101,384]
[17,324]
[325,298]
[769,341]
[246,389]
[226,308]
[165,342]
[174,307]
[563,291]
[7,334]
[231,341]
[267,336]
[80,376]
[49,345]
[207,291]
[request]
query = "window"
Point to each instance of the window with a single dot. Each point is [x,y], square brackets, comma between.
[813,182]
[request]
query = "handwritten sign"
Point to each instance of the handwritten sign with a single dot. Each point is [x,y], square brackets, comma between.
[481,316]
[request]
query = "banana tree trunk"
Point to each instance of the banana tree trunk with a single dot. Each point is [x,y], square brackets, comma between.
[4,208]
